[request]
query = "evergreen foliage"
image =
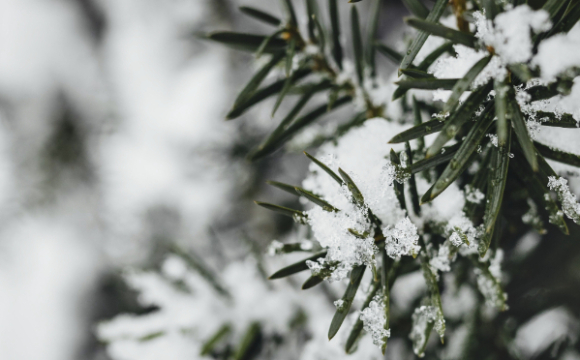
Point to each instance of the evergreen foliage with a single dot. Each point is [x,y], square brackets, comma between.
[482,146]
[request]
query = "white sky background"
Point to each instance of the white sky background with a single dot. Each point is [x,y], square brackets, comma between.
[148,102]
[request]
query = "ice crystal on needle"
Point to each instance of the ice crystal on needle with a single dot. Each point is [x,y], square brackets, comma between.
[489,282]
[344,249]
[459,229]
[569,205]
[442,261]
[473,195]
[423,318]
[455,239]
[275,248]
[493,139]
[402,239]
[532,218]
[495,264]
[374,321]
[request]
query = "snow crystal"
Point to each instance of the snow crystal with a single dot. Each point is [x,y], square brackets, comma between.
[339,304]
[422,317]
[534,127]
[569,205]
[374,320]
[489,283]
[458,227]
[488,289]
[455,239]
[511,36]
[402,239]
[331,231]
[442,261]
[494,140]
[495,264]
[275,248]
[395,172]
[532,218]
[473,195]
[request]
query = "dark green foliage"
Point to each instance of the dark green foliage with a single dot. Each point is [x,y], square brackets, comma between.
[255,82]
[274,143]
[295,214]
[391,54]
[458,118]
[297,267]
[498,171]
[312,282]
[264,93]
[335,28]
[419,41]
[558,155]
[399,188]
[420,130]
[417,8]
[416,74]
[427,84]
[357,44]
[461,158]
[512,172]
[522,134]
[247,42]
[355,333]
[260,15]
[355,279]
[457,37]
[464,83]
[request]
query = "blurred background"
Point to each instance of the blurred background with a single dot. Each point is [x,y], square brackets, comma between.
[113,146]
